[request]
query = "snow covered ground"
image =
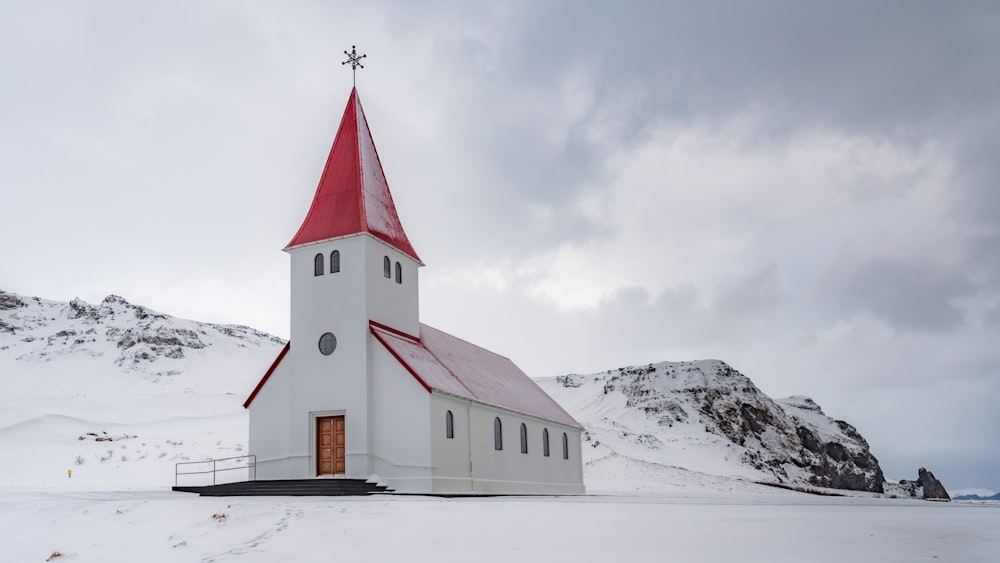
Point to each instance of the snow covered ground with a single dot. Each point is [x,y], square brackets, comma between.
[117,506]
[164,526]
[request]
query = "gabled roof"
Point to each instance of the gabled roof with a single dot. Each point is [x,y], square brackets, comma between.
[444,363]
[353,196]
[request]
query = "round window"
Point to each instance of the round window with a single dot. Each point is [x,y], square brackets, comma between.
[327,343]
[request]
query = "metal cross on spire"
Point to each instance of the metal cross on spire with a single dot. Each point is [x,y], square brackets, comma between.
[355,61]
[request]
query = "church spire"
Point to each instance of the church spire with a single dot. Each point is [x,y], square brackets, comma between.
[353,196]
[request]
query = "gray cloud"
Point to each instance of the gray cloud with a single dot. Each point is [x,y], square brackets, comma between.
[906,292]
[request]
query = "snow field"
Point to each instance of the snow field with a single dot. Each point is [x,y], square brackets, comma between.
[162,526]
[138,450]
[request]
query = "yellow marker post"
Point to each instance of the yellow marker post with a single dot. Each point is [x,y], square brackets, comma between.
[69,473]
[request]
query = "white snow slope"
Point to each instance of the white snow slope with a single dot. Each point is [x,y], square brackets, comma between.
[118,394]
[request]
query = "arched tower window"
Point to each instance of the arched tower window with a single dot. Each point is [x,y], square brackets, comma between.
[318,265]
[386,267]
[449,425]
[524,439]
[565,446]
[334,261]
[399,273]
[545,442]
[497,434]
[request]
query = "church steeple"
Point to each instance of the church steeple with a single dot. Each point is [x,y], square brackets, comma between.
[353,196]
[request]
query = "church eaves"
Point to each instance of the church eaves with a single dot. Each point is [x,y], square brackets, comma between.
[353,196]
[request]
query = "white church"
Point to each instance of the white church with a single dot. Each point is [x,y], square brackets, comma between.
[364,390]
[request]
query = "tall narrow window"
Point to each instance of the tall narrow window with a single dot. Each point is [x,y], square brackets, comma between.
[399,273]
[565,446]
[497,434]
[318,265]
[545,442]
[524,439]
[334,261]
[449,425]
[386,267]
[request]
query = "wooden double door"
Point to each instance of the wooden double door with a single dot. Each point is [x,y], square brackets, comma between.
[330,446]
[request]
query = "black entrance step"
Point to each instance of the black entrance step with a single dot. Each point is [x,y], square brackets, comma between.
[290,487]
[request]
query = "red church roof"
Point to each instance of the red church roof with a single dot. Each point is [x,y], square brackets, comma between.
[442,362]
[353,196]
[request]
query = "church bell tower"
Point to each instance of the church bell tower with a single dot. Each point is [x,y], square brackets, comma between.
[351,264]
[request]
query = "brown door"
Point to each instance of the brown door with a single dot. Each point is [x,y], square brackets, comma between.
[330,445]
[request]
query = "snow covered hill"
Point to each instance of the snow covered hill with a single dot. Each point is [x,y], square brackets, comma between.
[706,417]
[116,348]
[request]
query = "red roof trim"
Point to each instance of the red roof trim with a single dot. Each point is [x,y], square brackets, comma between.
[270,370]
[397,332]
[372,326]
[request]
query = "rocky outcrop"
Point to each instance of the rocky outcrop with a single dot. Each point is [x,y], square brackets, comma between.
[837,455]
[926,487]
[10,301]
[933,489]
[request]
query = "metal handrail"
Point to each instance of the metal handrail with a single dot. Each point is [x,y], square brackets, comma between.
[251,465]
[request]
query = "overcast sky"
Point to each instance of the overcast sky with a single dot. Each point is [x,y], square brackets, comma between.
[809,191]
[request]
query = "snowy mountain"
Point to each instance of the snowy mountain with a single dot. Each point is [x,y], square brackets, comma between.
[977,495]
[119,348]
[706,417]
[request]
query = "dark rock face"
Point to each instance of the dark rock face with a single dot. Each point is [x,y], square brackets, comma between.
[933,489]
[10,301]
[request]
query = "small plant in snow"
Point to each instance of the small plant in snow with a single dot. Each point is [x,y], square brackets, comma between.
[80,460]
[53,555]
[220,516]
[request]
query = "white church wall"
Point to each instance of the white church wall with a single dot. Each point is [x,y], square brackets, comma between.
[510,471]
[269,426]
[450,456]
[332,302]
[401,442]
[390,303]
